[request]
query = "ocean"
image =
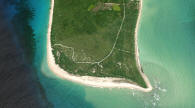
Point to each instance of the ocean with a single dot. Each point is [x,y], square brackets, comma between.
[20,87]
[166,41]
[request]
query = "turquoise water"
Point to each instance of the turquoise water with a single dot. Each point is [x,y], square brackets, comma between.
[167,53]
[167,45]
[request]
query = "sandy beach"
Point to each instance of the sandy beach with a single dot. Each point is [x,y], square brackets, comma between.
[94,81]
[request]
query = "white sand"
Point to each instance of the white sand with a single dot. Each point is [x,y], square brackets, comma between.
[88,80]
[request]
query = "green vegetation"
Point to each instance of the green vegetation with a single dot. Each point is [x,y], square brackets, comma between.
[96,38]
[116,7]
[91,7]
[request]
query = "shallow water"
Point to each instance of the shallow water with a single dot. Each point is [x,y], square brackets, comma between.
[167,53]
[166,41]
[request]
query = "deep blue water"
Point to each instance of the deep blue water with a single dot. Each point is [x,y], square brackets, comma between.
[20,87]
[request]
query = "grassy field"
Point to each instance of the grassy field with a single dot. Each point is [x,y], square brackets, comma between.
[96,38]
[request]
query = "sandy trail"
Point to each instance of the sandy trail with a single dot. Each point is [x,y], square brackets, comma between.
[88,80]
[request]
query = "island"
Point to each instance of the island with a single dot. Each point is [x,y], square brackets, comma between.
[94,42]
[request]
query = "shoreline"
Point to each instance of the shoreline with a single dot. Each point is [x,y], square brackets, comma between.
[102,82]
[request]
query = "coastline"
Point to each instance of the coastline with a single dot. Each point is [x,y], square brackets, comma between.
[105,82]
[137,49]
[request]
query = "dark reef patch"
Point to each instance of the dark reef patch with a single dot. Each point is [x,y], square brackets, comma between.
[19,83]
